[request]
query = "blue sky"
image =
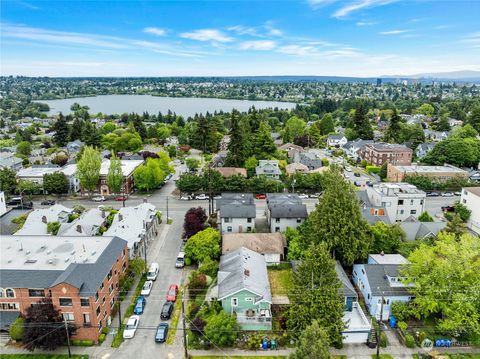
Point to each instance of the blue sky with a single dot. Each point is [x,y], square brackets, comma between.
[228,38]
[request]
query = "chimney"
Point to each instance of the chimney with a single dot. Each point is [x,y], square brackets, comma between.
[44,219]
[120,217]
[246,272]
[79,228]
[103,213]
[382,253]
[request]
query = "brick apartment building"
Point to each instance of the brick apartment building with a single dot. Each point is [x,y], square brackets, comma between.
[379,153]
[80,274]
[437,173]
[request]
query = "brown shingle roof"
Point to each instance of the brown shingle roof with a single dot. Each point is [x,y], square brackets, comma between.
[231,171]
[263,243]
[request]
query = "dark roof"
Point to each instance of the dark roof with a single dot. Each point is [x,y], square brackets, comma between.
[28,278]
[288,210]
[347,286]
[238,210]
[6,318]
[228,198]
[378,281]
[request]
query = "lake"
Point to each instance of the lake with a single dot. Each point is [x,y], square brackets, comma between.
[185,106]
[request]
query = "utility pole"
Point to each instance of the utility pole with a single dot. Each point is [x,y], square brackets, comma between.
[167,208]
[119,311]
[68,337]
[379,323]
[185,344]
[145,252]
[123,193]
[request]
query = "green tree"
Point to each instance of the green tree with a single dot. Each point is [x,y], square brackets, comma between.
[386,238]
[263,144]
[17,329]
[383,171]
[250,165]
[425,217]
[205,244]
[24,148]
[108,127]
[222,329]
[149,175]
[188,183]
[56,183]
[474,118]
[294,127]
[27,187]
[464,132]
[460,152]
[337,220]
[61,131]
[237,150]
[362,126]
[442,123]
[163,132]
[88,169]
[316,294]
[462,211]
[91,135]
[326,124]
[447,283]
[426,109]
[456,226]
[115,176]
[393,131]
[192,163]
[76,131]
[8,182]
[313,343]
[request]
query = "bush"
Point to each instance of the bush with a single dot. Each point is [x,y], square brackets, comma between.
[209,267]
[82,343]
[192,310]
[105,330]
[409,341]
[402,326]
[198,283]
[401,310]
[17,328]
[188,261]
[53,227]
[102,338]
[383,340]
[372,169]
[421,337]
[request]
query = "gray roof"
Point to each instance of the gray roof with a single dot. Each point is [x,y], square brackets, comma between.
[378,281]
[367,207]
[6,318]
[336,137]
[347,286]
[28,278]
[244,269]
[238,210]
[419,230]
[290,210]
[228,198]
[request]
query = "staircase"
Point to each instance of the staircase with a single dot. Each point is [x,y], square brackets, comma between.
[4,338]
[372,339]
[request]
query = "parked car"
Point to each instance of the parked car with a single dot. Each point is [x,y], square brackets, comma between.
[186,197]
[167,310]
[180,262]
[260,196]
[369,184]
[314,195]
[201,196]
[217,197]
[172,293]
[161,333]
[131,327]
[98,199]
[121,198]
[447,194]
[147,288]
[356,174]
[432,194]
[348,169]
[457,193]
[15,201]
[346,176]
[48,202]
[357,184]
[448,209]
[153,271]
[140,305]
[302,196]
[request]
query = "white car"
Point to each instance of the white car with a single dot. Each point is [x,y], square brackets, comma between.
[348,169]
[131,327]
[201,196]
[302,196]
[217,197]
[98,199]
[346,176]
[186,197]
[147,288]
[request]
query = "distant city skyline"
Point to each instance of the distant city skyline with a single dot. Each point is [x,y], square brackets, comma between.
[359,38]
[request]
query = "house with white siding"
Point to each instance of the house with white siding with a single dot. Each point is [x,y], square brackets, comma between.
[237,212]
[284,210]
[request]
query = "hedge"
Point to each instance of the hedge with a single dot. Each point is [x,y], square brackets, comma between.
[409,341]
[17,328]
[82,343]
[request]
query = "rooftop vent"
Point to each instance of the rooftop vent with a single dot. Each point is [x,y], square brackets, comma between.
[27,252]
[50,261]
[30,261]
[67,259]
[94,252]
[72,252]
[49,251]
[246,272]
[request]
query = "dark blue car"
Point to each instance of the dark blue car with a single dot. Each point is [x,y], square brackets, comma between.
[140,305]
[162,332]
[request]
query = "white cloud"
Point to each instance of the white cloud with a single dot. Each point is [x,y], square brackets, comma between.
[366,23]
[318,3]
[359,5]
[206,35]
[393,32]
[263,45]
[243,30]
[155,31]
[472,40]
[272,31]
[298,50]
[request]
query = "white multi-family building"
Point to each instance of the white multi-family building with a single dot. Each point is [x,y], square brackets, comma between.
[284,210]
[237,212]
[471,199]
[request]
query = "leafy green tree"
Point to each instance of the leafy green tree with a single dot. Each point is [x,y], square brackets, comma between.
[313,343]
[386,238]
[24,148]
[425,217]
[337,221]
[235,183]
[455,226]
[262,184]
[447,283]
[294,127]
[295,249]
[188,183]
[460,152]
[17,329]
[149,175]
[426,109]
[316,294]
[202,245]
[250,165]
[462,211]
[61,131]
[263,144]
[108,127]
[327,125]
[442,123]
[222,329]
[383,171]
[163,132]
[362,126]
[237,150]
[464,132]
[8,182]
[114,175]
[192,163]
[27,187]
[88,169]
[474,118]
[56,183]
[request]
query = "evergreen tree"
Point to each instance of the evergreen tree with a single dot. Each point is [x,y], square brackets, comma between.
[326,124]
[115,176]
[313,343]
[61,131]
[91,135]
[316,294]
[456,226]
[361,123]
[393,131]
[474,118]
[236,148]
[263,143]
[76,130]
[139,127]
[443,124]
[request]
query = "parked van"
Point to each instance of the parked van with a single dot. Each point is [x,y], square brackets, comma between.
[152,271]
[180,262]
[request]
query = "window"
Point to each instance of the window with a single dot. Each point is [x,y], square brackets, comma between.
[84,302]
[413,211]
[277,220]
[277,229]
[110,288]
[421,202]
[368,296]
[299,220]
[66,302]
[229,229]
[411,202]
[234,302]
[101,286]
[109,275]
[68,317]
[103,300]
[400,202]
[9,306]
[86,319]
[2,293]
[36,293]
[98,311]
[249,299]
[124,266]
[96,296]
[401,211]
[249,229]
[226,220]
[249,220]
[9,293]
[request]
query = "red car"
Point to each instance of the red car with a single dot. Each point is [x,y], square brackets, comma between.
[260,196]
[121,198]
[172,293]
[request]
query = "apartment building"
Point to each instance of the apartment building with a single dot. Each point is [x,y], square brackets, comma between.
[284,210]
[128,167]
[80,274]
[437,173]
[379,153]
[471,199]
[237,212]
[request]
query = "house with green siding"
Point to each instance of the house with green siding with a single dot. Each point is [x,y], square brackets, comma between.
[244,289]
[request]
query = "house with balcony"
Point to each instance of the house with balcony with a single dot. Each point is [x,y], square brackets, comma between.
[244,289]
[268,168]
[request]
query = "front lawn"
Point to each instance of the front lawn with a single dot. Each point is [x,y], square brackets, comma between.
[175,318]
[281,281]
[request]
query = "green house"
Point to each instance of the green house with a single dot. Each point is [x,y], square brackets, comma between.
[244,289]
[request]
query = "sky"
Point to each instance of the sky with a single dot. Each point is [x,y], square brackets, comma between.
[238,38]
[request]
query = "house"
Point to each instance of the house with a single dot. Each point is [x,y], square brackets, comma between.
[231,171]
[268,168]
[70,171]
[128,168]
[3,204]
[379,153]
[423,149]
[80,275]
[376,280]
[284,210]
[74,146]
[9,160]
[352,148]
[237,212]
[372,213]
[435,136]
[455,123]
[88,224]
[292,150]
[137,225]
[471,199]
[296,167]
[244,289]
[38,220]
[383,258]
[277,138]
[437,173]
[35,174]
[219,159]
[336,140]
[398,200]
[310,159]
[420,230]
[270,245]
[474,176]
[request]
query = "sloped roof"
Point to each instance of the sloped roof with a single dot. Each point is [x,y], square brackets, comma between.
[89,222]
[296,167]
[238,210]
[231,171]
[244,269]
[377,276]
[34,224]
[284,210]
[418,230]
[263,243]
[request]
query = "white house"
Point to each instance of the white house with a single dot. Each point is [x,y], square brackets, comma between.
[35,174]
[471,199]
[284,210]
[268,168]
[336,140]
[3,204]
[38,219]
